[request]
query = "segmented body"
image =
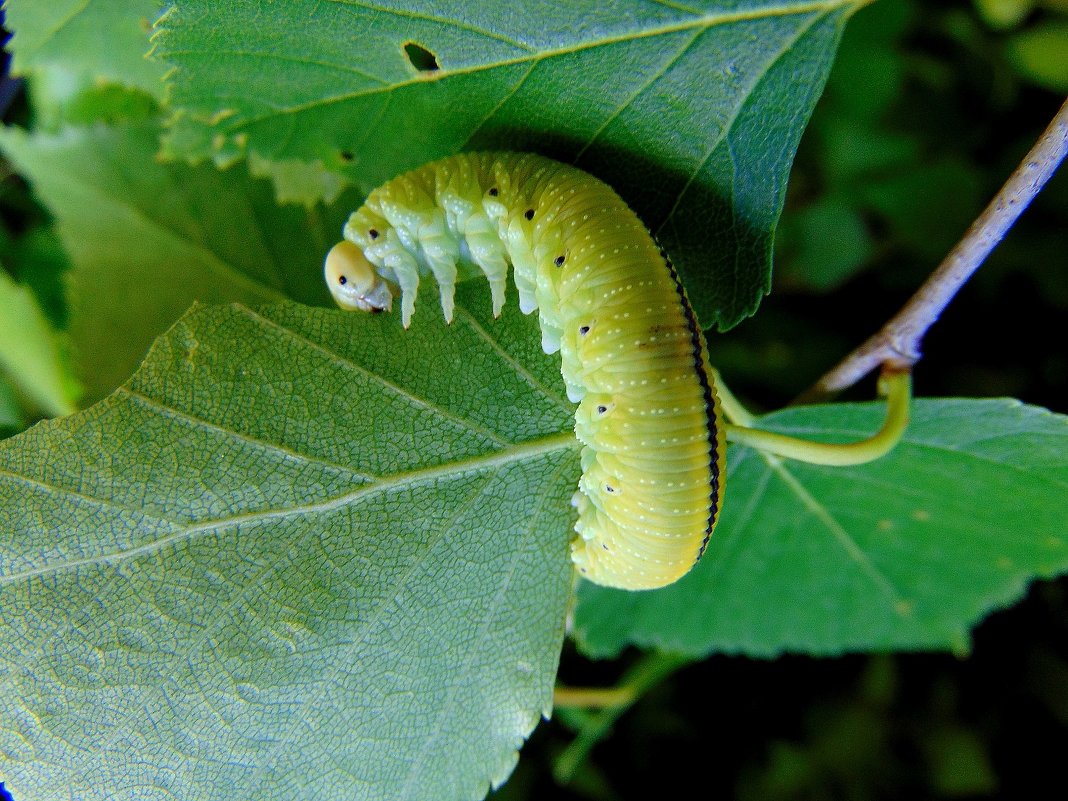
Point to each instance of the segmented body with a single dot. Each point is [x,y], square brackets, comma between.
[632,353]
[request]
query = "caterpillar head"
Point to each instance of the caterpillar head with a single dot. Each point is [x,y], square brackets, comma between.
[353,281]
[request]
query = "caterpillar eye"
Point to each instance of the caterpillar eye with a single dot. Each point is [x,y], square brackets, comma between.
[342,280]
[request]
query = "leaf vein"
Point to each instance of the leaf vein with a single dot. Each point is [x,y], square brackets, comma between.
[63,23]
[839,533]
[380,609]
[500,104]
[641,89]
[73,493]
[445,22]
[520,370]
[737,110]
[704,22]
[274,55]
[399,391]
[171,412]
[526,450]
[446,710]
[211,260]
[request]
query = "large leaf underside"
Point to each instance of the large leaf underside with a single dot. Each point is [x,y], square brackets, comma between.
[284,562]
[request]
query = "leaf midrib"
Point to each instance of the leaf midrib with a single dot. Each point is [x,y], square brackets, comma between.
[701,22]
[529,449]
[840,534]
[398,391]
[364,627]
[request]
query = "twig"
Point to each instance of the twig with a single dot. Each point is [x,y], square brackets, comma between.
[897,344]
[592,697]
[648,672]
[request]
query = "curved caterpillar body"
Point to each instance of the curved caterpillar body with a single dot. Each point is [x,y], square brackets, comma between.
[632,353]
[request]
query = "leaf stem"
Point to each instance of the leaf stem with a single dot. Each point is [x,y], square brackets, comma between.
[592,697]
[649,671]
[898,342]
[895,384]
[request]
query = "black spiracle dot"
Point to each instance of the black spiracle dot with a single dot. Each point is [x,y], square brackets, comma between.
[373,233]
[609,488]
[494,192]
[602,409]
[529,214]
[584,330]
[559,261]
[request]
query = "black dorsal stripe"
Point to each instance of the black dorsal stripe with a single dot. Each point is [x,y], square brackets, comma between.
[710,403]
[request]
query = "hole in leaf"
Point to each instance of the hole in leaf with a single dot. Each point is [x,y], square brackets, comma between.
[421,58]
[346,155]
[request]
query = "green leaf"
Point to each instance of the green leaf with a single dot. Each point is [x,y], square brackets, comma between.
[10,411]
[1004,14]
[855,152]
[906,552]
[34,256]
[290,560]
[960,763]
[146,239]
[1040,54]
[928,205]
[100,39]
[61,97]
[691,111]
[869,74]
[823,244]
[30,352]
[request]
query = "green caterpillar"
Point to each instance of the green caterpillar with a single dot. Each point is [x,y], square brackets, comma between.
[632,353]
